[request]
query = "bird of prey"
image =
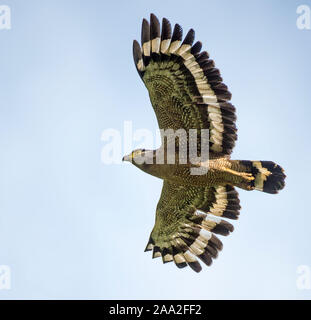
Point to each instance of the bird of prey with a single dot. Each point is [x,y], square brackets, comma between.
[187,92]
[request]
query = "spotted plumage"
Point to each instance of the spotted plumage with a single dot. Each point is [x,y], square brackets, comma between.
[187,92]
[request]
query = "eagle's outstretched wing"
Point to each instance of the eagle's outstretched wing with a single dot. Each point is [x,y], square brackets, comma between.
[185,88]
[182,233]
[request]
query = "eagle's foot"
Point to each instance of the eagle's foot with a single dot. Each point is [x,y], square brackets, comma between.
[244,175]
[247,176]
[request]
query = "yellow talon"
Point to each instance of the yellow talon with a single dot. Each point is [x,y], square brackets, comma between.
[245,175]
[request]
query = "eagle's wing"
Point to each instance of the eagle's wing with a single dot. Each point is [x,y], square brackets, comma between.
[185,88]
[182,233]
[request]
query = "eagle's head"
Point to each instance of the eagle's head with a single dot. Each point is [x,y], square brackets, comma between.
[140,157]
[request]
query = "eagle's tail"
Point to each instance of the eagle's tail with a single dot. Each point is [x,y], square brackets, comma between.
[267,176]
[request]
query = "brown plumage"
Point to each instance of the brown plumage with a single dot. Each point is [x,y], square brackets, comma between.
[186,92]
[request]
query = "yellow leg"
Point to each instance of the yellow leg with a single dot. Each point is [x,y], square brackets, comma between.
[245,175]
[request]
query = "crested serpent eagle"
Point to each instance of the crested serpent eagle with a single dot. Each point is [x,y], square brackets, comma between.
[187,92]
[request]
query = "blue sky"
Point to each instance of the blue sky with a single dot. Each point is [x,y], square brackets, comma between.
[74,228]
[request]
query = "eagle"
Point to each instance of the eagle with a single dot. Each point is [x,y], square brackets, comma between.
[187,92]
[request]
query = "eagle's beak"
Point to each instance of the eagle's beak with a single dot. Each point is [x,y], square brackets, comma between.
[126,158]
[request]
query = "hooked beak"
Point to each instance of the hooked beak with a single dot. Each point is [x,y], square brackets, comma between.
[126,158]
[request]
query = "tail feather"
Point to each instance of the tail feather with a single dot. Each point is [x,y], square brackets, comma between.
[268,176]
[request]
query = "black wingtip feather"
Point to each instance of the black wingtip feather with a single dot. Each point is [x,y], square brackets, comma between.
[145,32]
[189,37]
[206,258]
[223,228]
[202,56]
[166,29]
[196,48]
[154,27]
[195,266]
[211,250]
[177,33]
[216,242]
[136,51]
[181,265]
[234,215]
